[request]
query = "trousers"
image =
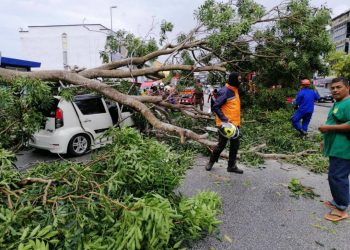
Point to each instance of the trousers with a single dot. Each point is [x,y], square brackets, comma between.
[234,146]
[338,179]
[305,117]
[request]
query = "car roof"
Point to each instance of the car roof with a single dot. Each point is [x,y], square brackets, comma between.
[85,97]
[81,97]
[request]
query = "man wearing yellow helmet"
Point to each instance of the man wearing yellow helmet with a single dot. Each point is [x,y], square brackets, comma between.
[227,108]
[305,107]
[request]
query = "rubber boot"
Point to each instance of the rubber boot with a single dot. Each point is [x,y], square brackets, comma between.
[232,167]
[209,165]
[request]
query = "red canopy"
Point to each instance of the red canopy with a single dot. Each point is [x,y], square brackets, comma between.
[146,85]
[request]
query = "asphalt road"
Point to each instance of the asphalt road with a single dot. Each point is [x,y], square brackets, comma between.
[258,212]
[27,158]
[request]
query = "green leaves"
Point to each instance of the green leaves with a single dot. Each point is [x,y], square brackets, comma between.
[198,215]
[273,128]
[340,64]
[148,224]
[143,165]
[164,28]
[135,46]
[122,199]
[21,103]
[297,190]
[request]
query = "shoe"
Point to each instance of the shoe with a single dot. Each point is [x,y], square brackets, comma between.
[209,166]
[302,133]
[235,169]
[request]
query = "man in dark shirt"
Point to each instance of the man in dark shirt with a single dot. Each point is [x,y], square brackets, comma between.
[227,108]
[198,95]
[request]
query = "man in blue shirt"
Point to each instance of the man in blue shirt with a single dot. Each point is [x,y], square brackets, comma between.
[305,103]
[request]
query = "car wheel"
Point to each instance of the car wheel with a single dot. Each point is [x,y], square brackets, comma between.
[79,145]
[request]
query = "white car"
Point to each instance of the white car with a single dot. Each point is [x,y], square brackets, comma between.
[77,126]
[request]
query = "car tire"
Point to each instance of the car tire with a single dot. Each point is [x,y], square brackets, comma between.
[79,145]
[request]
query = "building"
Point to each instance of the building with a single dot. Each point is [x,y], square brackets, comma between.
[340,31]
[17,64]
[64,46]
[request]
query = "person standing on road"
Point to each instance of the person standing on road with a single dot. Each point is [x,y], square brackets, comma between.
[336,146]
[227,108]
[212,97]
[305,107]
[198,95]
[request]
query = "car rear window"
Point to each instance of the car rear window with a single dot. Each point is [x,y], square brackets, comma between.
[90,106]
[50,110]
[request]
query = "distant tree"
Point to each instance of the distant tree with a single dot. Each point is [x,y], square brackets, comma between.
[340,64]
[294,46]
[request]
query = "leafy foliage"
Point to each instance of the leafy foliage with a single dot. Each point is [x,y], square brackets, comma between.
[164,28]
[340,64]
[267,99]
[291,49]
[281,51]
[135,46]
[297,190]
[21,104]
[274,129]
[122,199]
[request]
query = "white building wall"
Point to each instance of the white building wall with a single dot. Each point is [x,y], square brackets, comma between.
[44,44]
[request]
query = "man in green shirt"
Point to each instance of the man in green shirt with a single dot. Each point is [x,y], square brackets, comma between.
[336,146]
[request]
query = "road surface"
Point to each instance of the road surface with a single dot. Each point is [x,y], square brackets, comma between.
[258,212]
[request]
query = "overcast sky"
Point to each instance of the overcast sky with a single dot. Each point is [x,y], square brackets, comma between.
[135,16]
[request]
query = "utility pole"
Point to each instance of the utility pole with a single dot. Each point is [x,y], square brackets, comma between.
[111,31]
[110,8]
[65,51]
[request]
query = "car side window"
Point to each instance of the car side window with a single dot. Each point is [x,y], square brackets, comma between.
[90,106]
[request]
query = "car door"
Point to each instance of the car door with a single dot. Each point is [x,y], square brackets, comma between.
[126,117]
[92,113]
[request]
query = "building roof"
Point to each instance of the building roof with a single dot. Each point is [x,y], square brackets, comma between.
[18,62]
[66,25]
[344,13]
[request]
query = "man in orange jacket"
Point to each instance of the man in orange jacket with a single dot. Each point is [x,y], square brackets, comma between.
[227,108]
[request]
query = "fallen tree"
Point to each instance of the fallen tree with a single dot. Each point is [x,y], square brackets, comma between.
[224,40]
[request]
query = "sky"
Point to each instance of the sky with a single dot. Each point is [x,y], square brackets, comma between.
[136,16]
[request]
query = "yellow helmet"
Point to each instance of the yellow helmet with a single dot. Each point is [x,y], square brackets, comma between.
[229,130]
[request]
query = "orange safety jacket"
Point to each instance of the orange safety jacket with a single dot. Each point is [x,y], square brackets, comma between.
[227,106]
